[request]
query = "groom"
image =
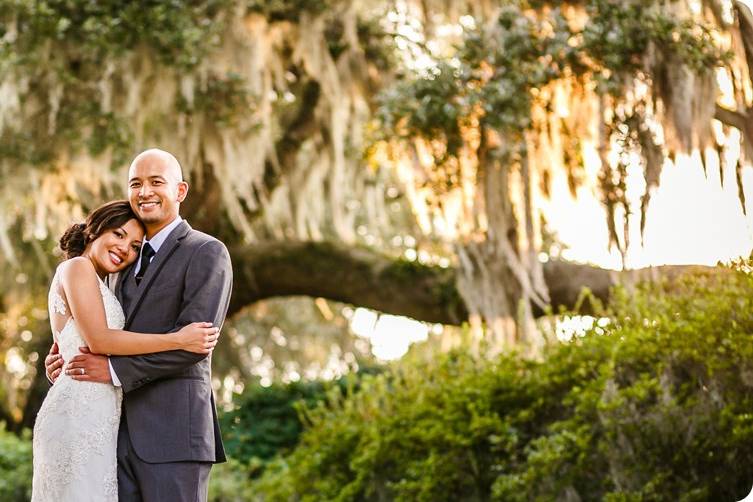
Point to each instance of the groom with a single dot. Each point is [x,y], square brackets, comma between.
[169,436]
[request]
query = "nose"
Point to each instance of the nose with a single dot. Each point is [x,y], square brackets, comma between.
[122,248]
[144,190]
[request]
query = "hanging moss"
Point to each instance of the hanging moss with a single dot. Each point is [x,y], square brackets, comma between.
[81,125]
[226,91]
[221,100]
[488,109]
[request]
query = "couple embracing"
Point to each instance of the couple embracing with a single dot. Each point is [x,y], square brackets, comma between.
[135,311]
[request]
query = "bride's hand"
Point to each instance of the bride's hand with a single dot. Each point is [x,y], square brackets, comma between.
[198,337]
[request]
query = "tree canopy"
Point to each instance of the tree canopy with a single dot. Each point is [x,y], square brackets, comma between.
[326,133]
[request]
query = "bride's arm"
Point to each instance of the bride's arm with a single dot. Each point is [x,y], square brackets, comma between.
[79,281]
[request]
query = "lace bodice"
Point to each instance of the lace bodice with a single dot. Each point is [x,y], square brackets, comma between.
[64,331]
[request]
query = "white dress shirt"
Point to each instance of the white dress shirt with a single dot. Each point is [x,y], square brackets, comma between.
[156,242]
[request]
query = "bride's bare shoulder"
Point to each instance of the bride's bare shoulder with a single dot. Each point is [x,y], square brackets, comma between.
[76,268]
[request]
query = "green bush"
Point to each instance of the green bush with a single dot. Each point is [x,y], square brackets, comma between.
[15,466]
[655,405]
[231,482]
[264,422]
[264,425]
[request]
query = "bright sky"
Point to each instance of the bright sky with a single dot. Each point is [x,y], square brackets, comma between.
[381,331]
[692,219]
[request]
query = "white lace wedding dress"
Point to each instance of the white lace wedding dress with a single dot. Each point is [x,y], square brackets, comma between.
[76,431]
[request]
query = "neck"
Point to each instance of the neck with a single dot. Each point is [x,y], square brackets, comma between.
[154,228]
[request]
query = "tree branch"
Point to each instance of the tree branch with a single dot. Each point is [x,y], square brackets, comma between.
[367,278]
[745,19]
[730,117]
[355,275]
[741,121]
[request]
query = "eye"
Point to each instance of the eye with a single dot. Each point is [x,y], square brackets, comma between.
[136,248]
[135,185]
[118,233]
[157,182]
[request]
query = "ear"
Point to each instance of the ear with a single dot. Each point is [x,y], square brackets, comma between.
[182,191]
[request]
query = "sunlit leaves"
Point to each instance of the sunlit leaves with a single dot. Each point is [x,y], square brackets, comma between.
[497,68]
[431,107]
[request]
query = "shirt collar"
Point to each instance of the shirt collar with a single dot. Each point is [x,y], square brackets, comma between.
[160,237]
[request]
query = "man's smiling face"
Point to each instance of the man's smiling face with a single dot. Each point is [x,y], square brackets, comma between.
[155,189]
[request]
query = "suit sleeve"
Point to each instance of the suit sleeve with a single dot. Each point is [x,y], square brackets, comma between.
[206,296]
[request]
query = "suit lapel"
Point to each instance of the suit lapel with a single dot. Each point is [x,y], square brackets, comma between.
[167,249]
[120,279]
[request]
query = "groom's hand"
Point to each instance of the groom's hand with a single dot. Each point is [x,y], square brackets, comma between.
[96,368]
[53,363]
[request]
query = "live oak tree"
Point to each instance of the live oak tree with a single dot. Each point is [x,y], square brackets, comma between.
[322,137]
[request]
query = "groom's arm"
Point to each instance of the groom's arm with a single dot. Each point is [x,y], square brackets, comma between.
[206,297]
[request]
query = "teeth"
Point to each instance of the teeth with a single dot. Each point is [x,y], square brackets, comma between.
[117,258]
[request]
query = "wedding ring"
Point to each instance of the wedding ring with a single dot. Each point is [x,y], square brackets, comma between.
[83,371]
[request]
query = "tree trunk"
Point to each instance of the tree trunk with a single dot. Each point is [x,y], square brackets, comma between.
[742,117]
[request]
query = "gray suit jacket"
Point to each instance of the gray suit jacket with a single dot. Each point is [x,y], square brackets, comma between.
[167,396]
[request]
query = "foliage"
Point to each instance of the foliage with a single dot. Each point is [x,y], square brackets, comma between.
[180,31]
[15,466]
[656,404]
[263,425]
[85,59]
[265,422]
[68,47]
[287,10]
[497,72]
[541,79]
[230,482]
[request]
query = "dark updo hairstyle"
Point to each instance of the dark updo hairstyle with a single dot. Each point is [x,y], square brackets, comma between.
[106,217]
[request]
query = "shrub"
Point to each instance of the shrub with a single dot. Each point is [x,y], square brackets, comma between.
[264,421]
[655,405]
[15,466]
[265,424]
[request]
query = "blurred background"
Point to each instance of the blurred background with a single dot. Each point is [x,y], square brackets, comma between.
[437,178]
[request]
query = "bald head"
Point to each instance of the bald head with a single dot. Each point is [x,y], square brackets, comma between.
[156,188]
[156,156]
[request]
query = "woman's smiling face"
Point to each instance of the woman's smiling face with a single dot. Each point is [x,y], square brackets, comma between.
[116,248]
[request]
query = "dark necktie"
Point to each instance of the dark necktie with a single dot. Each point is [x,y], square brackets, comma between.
[146,257]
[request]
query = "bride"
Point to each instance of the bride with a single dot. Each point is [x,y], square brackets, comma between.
[75,434]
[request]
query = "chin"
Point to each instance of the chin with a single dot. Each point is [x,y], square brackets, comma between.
[113,269]
[150,218]
[119,268]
